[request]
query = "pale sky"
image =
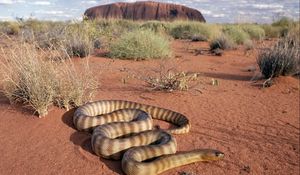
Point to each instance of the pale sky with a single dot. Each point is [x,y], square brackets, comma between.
[214,11]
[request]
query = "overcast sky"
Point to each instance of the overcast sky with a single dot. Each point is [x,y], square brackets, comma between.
[215,11]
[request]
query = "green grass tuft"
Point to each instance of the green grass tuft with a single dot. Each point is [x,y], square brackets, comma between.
[236,33]
[139,45]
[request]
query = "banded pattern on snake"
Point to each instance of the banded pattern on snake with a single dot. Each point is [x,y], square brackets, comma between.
[124,130]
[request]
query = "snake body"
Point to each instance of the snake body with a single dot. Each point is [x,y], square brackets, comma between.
[124,130]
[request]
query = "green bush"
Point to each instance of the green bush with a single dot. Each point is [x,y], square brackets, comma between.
[283,24]
[281,59]
[254,31]
[187,30]
[139,45]
[271,31]
[108,31]
[222,42]
[157,26]
[236,33]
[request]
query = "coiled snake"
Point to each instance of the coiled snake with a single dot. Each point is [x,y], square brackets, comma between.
[125,128]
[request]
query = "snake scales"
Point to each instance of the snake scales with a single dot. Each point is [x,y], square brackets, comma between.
[125,128]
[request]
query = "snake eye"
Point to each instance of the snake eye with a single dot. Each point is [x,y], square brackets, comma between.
[219,154]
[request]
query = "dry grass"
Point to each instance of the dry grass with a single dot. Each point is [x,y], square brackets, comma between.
[281,59]
[171,81]
[74,86]
[29,78]
[167,78]
[222,42]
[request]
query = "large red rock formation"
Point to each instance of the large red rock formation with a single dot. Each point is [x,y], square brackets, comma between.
[146,10]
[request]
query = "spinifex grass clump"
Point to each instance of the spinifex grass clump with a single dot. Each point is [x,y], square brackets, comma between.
[140,45]
[29,78]
[281,59]
[254,31]
[188,30]
[236,33]
[222,42]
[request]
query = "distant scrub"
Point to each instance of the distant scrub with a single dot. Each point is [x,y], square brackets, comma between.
[140,44]
[236,33]
[157,26]
[254,31]
[271,31]
[79,39]
[279,28]
[10,28]
[222,42]
[188,30]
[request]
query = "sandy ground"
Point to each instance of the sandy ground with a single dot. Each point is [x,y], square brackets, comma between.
[257,129]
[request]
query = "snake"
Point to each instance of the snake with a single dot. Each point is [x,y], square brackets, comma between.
[123,130]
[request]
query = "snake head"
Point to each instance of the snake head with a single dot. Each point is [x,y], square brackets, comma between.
[210,154]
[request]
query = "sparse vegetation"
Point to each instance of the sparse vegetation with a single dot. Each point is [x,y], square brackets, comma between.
[254,31]
[10,28]
[236,33]
[281,59]
[222,42]
[157,26]
[188,30]
[28,78]
[139,45]
[38,72]
[271,31]
[170,81]
[248,45]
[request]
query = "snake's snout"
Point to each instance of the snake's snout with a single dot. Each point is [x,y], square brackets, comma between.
[210,154]
[219,154]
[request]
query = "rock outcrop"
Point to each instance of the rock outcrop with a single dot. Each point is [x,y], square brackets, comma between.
[146,10]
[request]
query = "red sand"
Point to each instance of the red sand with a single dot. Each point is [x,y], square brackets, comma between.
[257,129]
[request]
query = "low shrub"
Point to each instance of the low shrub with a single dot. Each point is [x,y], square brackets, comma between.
[78,45]
[281,59]
[139,45]
[284,24]
[79,39]
[254,31]
[171,81]
[236,33]
[222,42]
[271,31]
[186,30]
[157,26]
[294,34]
[248,45]
[74,87]
[13,28]
[29,78]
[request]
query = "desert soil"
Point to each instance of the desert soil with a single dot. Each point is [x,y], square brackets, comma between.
[257,128]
